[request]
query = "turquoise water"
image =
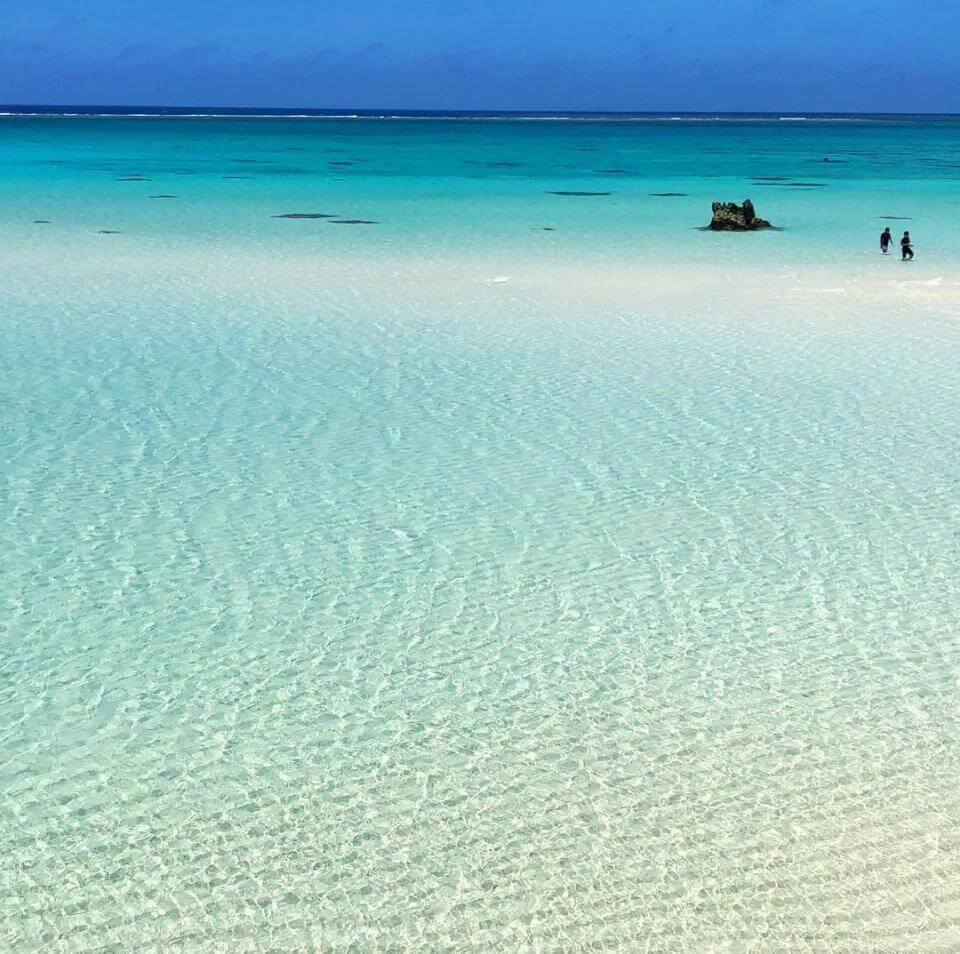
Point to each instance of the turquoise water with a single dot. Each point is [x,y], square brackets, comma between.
[351,600]
[448,186]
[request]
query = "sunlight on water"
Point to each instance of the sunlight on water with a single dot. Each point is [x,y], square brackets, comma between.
[336,616]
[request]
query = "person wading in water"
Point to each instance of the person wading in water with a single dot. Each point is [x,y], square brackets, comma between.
[885,239]
[906,247]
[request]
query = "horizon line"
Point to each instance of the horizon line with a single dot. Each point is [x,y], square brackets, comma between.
[366,111]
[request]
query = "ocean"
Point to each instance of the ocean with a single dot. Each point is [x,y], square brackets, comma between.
[417,533]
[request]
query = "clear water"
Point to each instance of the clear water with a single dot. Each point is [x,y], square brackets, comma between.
[341,608]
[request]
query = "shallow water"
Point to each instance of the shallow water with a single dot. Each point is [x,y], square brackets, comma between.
[343,610]
[432,185]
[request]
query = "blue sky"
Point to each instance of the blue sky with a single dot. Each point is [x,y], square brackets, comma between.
[500,54]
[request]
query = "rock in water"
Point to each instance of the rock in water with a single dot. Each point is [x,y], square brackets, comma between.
[730,217]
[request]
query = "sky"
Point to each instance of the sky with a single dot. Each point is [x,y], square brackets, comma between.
[749,55]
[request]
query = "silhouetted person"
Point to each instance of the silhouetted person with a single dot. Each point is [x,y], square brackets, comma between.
[906,247]
[885,239]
